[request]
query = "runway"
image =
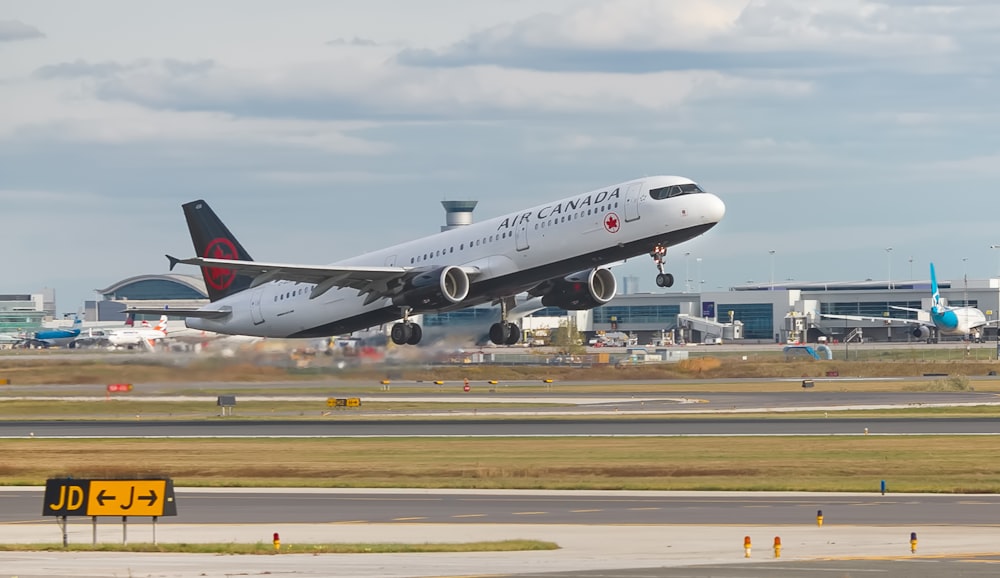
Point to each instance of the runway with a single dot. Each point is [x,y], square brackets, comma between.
[390,506]
[338,427]
[600,534]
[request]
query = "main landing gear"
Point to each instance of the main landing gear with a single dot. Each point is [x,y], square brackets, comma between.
[406,332]
[505,332]
[659,255]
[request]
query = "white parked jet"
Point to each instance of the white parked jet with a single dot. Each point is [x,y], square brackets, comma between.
[944,320]
[557,251]
[145,335]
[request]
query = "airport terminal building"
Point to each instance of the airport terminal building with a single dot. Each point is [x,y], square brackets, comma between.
[794,312]
[789,312]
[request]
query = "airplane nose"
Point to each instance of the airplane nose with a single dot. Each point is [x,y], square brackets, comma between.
[713,208]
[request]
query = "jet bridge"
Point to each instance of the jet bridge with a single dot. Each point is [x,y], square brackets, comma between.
[710,330]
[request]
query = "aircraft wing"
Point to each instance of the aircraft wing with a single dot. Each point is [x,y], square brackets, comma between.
[377,282]
[879,319]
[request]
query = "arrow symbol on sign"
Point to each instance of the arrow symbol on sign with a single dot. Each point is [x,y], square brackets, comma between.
[151,498]
[101,496]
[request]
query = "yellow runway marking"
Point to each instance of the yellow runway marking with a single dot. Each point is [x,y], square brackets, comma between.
[585,511]
[469,516]
[529,513]
[407,519]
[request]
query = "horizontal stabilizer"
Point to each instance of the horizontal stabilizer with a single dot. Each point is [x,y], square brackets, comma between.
[199,313]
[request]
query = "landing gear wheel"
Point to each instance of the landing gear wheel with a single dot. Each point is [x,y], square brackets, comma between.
[415,334]
[665,280]
[500,333]
[401,333]
[515,334]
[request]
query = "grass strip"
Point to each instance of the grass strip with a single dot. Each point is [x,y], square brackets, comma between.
[262,548]
[945,464]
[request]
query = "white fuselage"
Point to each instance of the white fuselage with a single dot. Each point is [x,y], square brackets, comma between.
[124,337]
[511,253]
[959,321]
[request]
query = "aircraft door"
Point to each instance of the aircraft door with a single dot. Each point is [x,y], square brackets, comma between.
[632,197]
[390,261]
[256,313]
[521,236]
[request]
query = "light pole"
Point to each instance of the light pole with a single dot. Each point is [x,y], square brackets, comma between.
[998,257]
[700,280]
[911,268]
[771,252]
[687,272]
[888,258]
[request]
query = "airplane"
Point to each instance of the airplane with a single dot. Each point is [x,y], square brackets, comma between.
[558,251]
[943,320]
[57,337]
[145,335]
[10,340]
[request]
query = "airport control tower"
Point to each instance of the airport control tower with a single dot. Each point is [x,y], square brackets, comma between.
[457,213]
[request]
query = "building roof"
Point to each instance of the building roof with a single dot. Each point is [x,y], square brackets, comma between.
[169,284]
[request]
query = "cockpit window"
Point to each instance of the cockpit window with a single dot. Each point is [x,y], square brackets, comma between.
[674,191]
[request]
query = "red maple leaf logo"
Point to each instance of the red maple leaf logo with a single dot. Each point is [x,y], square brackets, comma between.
[216,277]
[611,223]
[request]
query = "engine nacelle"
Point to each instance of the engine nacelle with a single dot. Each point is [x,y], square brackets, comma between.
[433,289]
[583,290]
[921,332]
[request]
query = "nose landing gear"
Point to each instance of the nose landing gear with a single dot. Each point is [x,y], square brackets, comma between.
[659,255]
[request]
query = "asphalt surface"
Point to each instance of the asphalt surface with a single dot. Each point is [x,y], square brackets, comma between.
[339,506]
[601,534]
[482,427]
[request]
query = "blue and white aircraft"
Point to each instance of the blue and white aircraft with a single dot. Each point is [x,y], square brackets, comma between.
[940,320]
[558,251]
[57,337]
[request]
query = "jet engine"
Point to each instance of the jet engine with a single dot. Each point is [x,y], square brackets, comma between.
[432,289]
[922,332]
[582,290]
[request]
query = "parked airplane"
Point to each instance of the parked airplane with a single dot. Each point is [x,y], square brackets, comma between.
[145,335]
[557,251]
[942,320]
[57,337]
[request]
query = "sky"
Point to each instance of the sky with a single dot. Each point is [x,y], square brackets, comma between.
[834,130]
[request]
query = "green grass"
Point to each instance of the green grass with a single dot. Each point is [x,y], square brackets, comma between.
[798,463]
[137,408]
[262,548]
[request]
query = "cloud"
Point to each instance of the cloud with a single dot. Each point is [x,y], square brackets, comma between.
[13,30]
[652,35]
[382,90]
[352,42]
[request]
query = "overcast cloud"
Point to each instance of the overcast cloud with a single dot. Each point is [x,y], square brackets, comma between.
[832,129]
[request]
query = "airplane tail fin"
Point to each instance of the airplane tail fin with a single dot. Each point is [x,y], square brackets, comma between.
[213,239]
[130,320]
[162,325]
[935,294]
